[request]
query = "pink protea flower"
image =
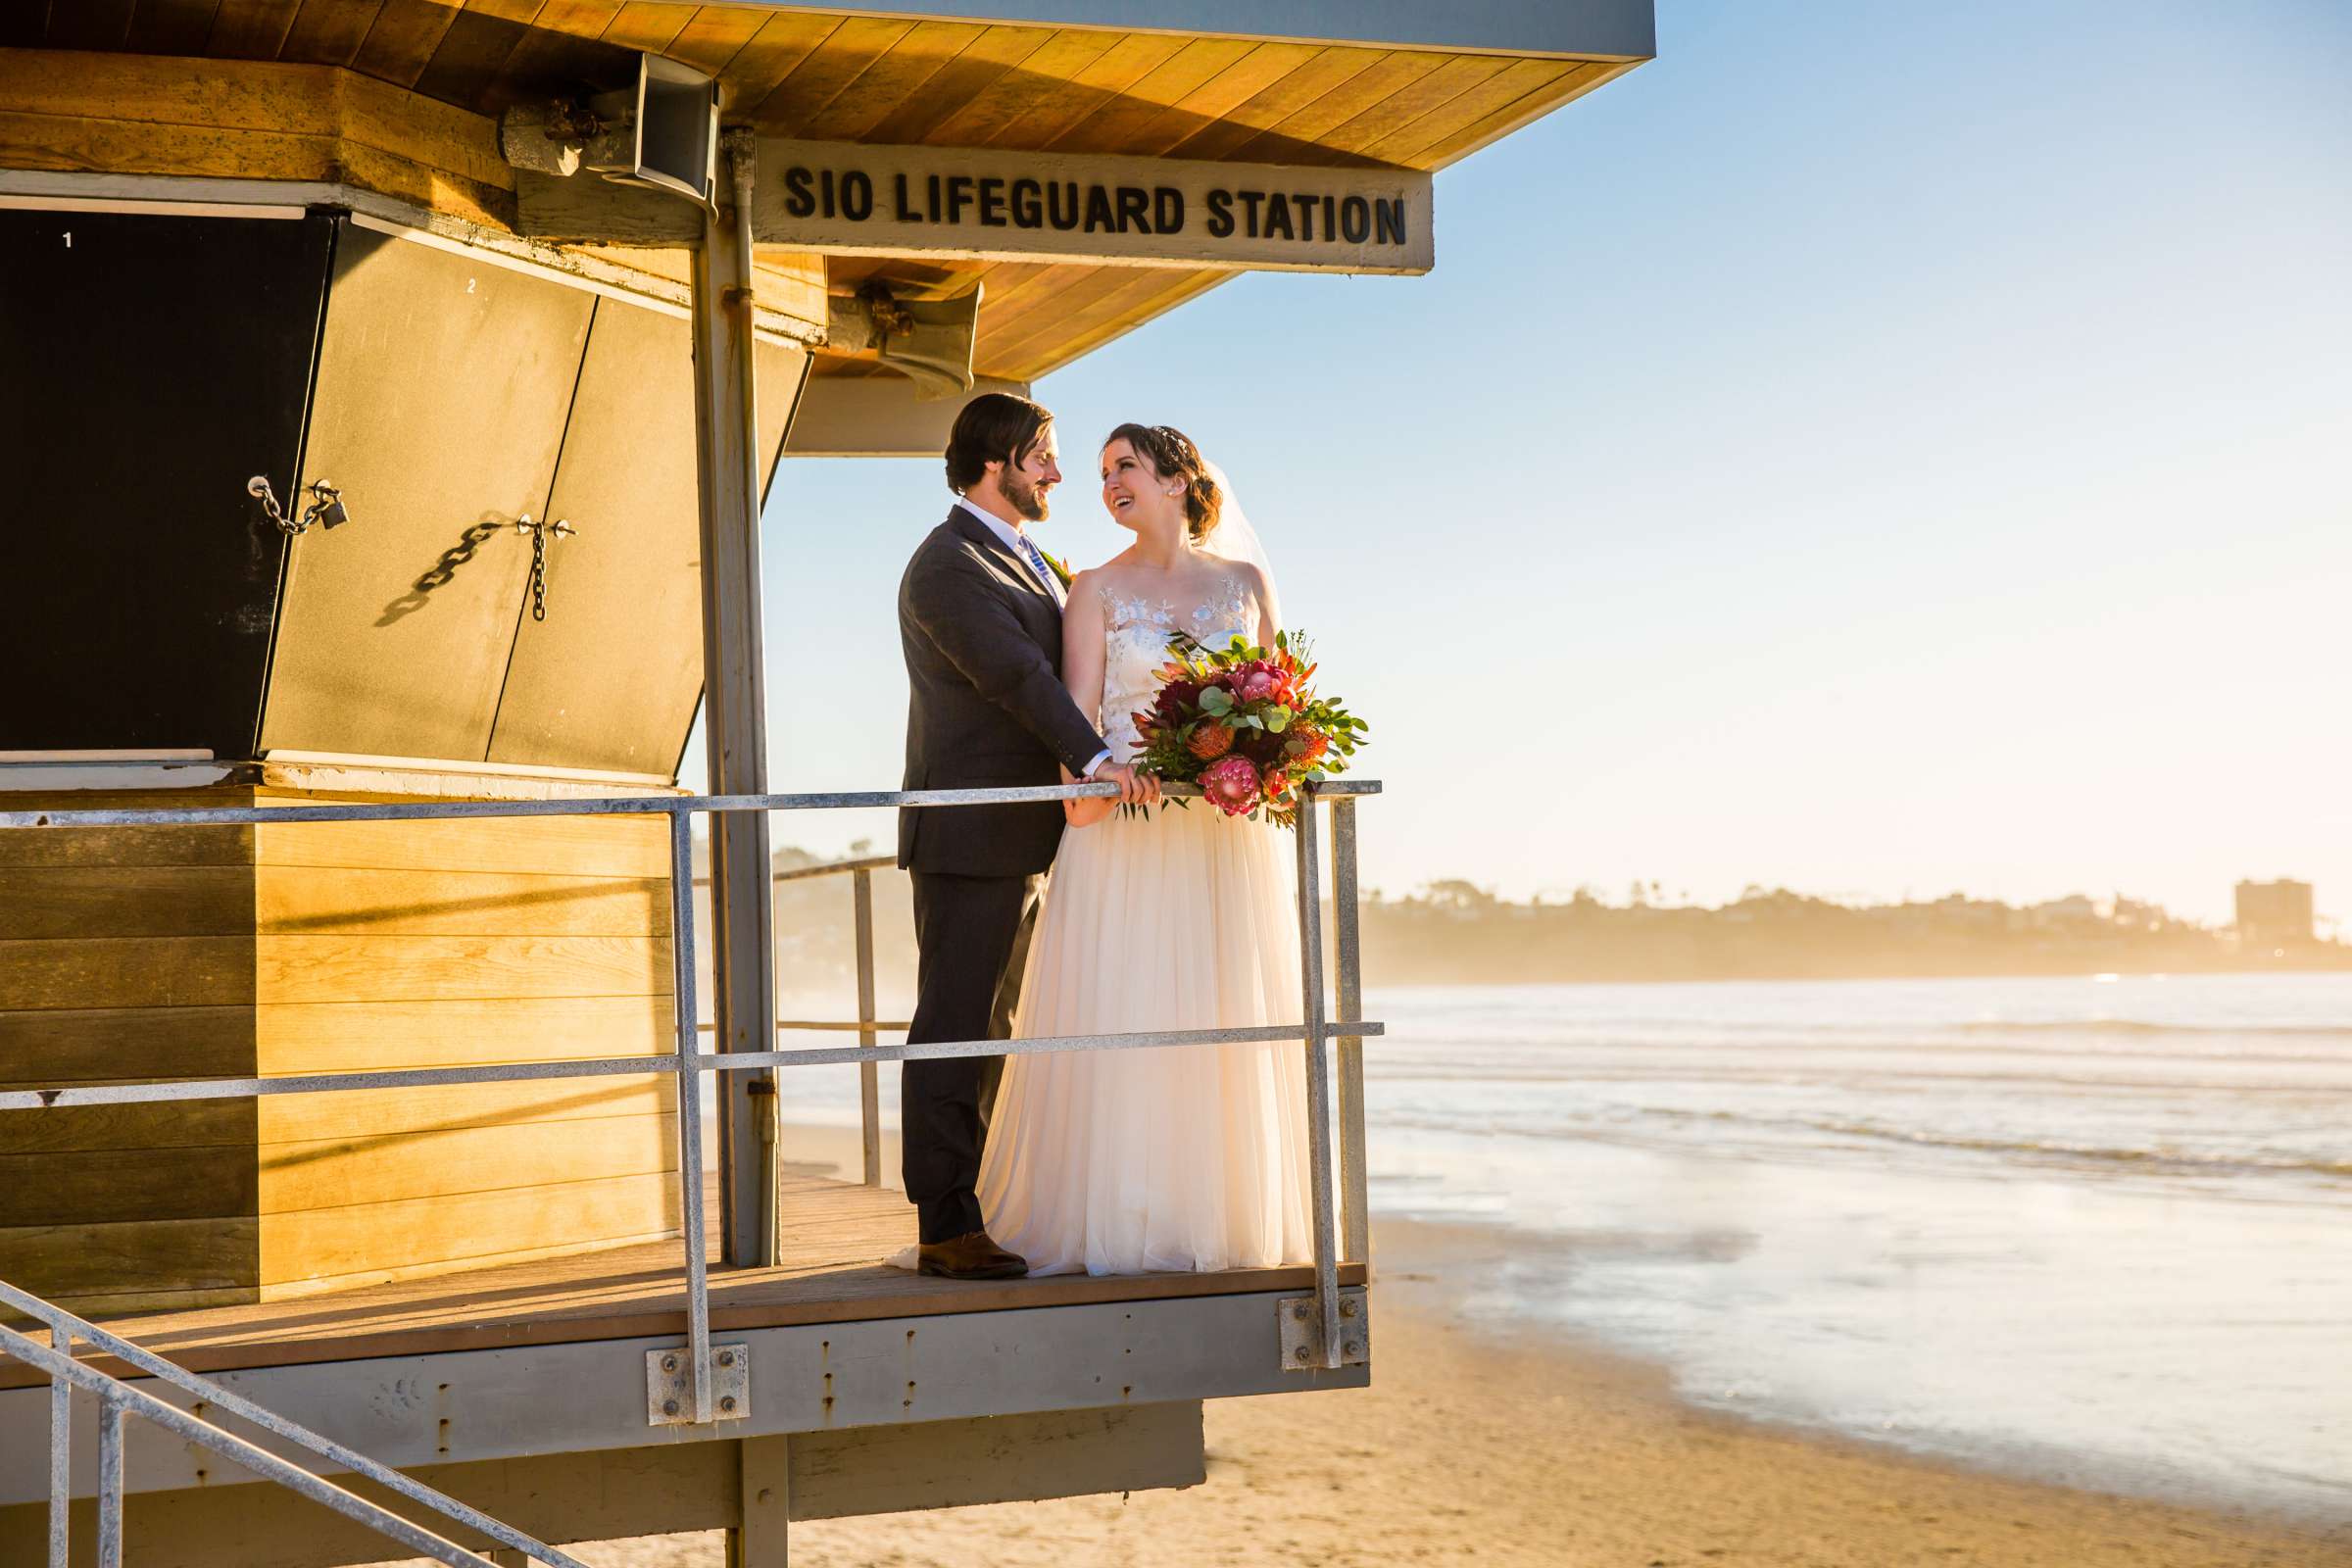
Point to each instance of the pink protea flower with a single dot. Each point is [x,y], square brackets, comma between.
[1256,682]
[1231,785]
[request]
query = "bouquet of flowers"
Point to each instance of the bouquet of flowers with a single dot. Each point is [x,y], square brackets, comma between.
[1244,725]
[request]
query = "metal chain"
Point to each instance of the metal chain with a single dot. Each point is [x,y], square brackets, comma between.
[562,529]
[326,506]
[538,575]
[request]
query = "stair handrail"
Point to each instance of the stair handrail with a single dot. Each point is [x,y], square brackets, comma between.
[117,1395]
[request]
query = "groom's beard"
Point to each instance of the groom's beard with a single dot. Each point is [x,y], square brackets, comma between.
[1027,499]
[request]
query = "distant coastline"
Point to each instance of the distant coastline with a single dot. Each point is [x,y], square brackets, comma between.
[1454,933]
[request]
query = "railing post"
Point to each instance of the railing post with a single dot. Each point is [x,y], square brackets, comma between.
[1353,1201]
[869,1093]
[109,1483]
[1318,1069]
[61,1451]
[690,1105]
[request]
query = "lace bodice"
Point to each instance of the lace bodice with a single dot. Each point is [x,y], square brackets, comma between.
[1135,636]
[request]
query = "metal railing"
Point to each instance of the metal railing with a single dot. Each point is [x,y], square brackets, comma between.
[1318,1032]
[860,874]
[118,1400]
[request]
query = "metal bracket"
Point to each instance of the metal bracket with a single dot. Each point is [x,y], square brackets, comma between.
[670,1385]
[1303,1331]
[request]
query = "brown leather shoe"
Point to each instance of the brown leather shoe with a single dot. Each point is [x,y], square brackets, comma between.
[970,1257]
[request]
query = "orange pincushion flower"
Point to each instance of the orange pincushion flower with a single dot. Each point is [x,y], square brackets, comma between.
[1311,744]
[1211,739]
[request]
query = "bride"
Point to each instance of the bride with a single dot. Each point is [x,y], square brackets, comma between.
[1172,1158]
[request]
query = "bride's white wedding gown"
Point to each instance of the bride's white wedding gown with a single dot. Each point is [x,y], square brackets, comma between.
[1180,1157]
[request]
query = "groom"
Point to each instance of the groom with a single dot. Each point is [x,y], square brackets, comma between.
[980,622]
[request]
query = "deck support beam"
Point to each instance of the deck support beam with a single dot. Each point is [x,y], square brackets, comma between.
[766,1468]
[727,425]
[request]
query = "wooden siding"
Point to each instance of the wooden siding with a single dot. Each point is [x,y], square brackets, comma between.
[430,944]
[127,954]
[130,953]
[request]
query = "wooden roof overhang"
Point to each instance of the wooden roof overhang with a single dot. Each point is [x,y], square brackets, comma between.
[398,97]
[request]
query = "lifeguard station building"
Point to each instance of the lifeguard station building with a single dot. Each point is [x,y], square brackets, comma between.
[388,391]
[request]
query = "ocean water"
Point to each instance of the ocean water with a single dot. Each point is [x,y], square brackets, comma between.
[2095,1230]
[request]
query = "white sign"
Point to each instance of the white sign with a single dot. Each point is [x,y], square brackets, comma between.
[860,200]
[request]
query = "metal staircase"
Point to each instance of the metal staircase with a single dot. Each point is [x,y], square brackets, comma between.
[119,1399]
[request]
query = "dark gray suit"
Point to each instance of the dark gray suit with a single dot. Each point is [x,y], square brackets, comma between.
[985,706]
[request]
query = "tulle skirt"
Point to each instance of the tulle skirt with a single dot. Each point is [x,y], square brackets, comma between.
[1184,1158]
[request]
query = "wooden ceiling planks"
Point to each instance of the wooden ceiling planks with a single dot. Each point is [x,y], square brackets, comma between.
[1405,143]
[1117,122]
[1329,68]
[1228,92]
[1571,86]
[401,41]
[895,76]
[168,26]
[329,32]
[826,70]
[980,120]
[563,45]
[93,25]
[715,36]
[249,29]
[990,57]
[652,26]
[1045,115]
[781,44]
[474,53]
[1083,316]
[1413,102]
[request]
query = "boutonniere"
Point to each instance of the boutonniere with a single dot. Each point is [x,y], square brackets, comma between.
[1059,570]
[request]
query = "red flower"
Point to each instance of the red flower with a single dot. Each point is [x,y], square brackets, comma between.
[1176,700]
[1231,785]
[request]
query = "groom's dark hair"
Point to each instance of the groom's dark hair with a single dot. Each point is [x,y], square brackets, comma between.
[993,427]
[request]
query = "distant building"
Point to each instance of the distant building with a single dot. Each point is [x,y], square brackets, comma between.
[2274,914]
[2075,909]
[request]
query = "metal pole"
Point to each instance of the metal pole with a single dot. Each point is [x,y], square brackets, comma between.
[1318,1070]
[1353,1205]
[690,1107]
[869,1092]
[735,705]
[61,1451]
[109,1483]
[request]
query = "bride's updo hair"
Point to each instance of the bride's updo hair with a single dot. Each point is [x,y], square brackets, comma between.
[1173,456]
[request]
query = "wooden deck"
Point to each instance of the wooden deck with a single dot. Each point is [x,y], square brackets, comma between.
[836,1234]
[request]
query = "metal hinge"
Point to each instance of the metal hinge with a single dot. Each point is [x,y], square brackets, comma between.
[670,1385]
[1303,1331]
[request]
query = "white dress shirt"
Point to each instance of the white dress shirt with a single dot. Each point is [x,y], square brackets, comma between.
[1020,545]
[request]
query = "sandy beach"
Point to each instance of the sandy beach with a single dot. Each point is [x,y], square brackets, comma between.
[1477,1445]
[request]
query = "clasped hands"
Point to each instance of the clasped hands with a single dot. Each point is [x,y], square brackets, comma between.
[1135,789]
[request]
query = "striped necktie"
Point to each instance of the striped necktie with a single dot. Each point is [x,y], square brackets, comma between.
[1047,577]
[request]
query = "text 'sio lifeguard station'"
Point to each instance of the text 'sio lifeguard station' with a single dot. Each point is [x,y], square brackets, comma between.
[387,389]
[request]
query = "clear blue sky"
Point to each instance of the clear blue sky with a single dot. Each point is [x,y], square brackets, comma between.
[1875,449]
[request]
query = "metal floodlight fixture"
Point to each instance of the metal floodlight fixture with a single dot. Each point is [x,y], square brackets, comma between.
[663,132]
